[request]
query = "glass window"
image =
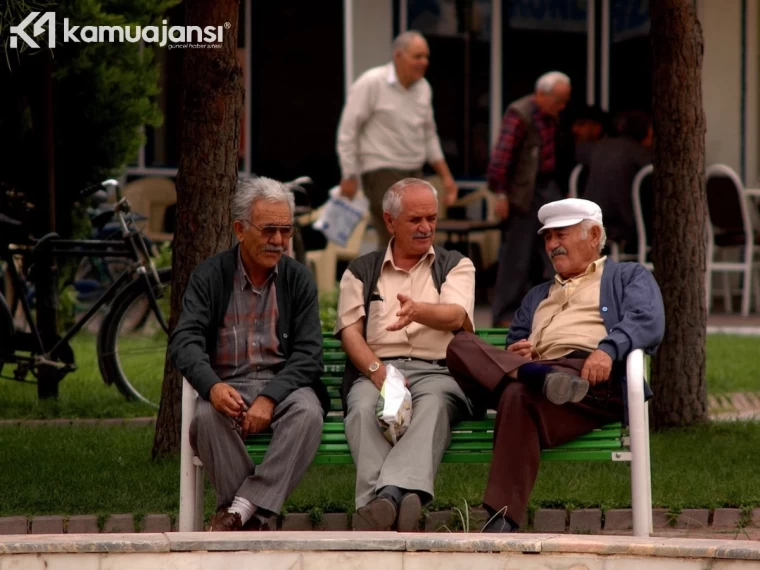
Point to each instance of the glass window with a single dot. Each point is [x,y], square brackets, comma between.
[630,55]
[458,33]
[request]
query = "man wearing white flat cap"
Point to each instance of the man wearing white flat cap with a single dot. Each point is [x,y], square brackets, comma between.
[563,371]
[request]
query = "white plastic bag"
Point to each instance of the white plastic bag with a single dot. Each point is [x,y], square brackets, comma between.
[394,407]
[340,216]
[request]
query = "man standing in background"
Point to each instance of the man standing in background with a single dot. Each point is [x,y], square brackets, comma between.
[522,174]
[387,130]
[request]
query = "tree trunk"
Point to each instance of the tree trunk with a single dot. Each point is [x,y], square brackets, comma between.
[212,108]
[680,212]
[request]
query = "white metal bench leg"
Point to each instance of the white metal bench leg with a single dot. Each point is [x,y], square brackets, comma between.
[649,468]
[188,481]
[198,522]
[641,490]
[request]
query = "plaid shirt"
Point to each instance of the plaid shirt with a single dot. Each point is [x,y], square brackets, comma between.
[506,152]
[247,344]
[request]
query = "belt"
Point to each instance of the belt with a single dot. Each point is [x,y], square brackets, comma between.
[578,354]
[439,362]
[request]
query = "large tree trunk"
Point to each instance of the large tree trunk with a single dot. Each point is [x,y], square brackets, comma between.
[680,212]
[212,108]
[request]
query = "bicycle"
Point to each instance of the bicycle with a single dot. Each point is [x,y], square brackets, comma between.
[131,341]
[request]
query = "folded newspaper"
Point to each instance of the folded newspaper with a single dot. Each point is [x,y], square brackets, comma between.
[394,406]
[340,216]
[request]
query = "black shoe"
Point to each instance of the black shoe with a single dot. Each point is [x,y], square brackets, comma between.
[380,514]
[409,512]
[561,388]
[499,524]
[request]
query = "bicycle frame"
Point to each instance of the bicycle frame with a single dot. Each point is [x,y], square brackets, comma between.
[131,246]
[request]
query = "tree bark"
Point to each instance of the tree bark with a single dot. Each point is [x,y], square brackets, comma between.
[680,212]
[212,108]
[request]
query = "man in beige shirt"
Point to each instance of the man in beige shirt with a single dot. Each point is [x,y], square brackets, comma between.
[402,306]
[387,130]
[563,372]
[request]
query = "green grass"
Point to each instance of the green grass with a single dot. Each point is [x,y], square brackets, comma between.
[732,366]
[84,470]
[82,394]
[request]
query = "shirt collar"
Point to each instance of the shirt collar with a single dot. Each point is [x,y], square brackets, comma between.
[592,268]
[245,281]
[389,255]
[391,76]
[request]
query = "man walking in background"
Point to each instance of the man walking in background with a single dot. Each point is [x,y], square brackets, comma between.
[387,130]
[522,174]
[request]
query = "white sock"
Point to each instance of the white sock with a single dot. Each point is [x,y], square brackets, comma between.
[243,507]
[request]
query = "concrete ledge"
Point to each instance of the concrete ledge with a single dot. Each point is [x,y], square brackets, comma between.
[322,540]
[75,543]
[354,543]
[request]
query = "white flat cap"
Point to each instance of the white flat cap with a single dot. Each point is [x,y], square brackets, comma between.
[568,212]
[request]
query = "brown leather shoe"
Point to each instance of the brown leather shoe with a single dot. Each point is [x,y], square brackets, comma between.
[225,521]
[409,512]
[380,514]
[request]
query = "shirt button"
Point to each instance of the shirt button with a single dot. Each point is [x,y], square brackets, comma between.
[604,309]
[284,335]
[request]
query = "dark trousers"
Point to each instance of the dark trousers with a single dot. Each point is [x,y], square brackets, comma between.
[521,249]
[526,422]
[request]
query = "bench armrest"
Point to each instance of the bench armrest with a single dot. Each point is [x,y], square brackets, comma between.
[638,422]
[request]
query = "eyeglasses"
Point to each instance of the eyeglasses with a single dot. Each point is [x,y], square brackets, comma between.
[269,231]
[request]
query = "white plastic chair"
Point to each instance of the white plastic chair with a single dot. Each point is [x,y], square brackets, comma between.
[575,176]
[730,228]
[643,219]
[324,262]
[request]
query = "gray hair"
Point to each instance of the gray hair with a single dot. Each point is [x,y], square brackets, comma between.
[403,40]
[548,81]
[260,188]
[392,197]
[586,225]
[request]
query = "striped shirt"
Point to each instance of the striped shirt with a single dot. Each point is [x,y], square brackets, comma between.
[247,344]
[507,150]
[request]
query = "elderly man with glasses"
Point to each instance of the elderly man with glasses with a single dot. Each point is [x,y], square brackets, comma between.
[249,341]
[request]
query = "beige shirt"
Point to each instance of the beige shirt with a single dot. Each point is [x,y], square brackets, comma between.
[384,125]
[569,318]
[415,340]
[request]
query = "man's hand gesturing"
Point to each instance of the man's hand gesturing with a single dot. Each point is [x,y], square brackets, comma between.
[406,314]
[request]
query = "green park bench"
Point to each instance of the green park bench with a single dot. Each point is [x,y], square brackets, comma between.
[471,441]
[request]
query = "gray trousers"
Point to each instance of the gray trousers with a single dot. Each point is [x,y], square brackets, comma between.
[437,402]
[521,246]
[375,183]
[297,430]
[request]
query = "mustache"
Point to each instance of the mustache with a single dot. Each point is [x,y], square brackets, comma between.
[273,248]
[422,235]
[557,251]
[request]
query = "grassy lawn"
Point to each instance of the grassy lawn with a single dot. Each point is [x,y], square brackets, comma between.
[83,470]
[732,366]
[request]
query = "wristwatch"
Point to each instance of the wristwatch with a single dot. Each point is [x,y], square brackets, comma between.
[374,367]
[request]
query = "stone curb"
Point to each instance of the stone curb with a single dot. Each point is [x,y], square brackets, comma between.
[97,422]
[584,521]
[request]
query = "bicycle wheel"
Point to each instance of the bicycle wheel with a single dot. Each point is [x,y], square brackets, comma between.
[132,346]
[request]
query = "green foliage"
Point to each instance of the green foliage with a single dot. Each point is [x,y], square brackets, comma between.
[328,309]
[164,257]
[103,94]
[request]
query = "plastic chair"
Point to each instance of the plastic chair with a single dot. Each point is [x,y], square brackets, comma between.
[642,195]
[150,197]
[730,229]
